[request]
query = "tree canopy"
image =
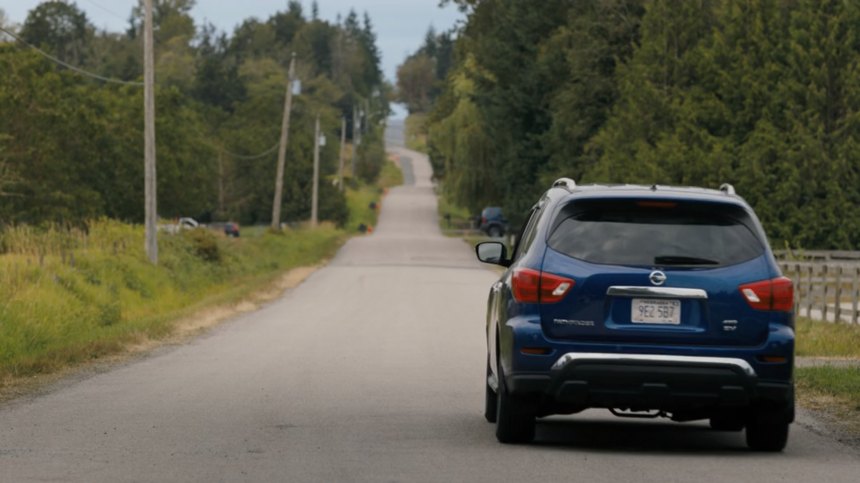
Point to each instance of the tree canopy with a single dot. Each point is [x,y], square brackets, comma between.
[71,148]
[762,94]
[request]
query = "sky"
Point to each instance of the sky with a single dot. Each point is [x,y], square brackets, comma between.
[400,25]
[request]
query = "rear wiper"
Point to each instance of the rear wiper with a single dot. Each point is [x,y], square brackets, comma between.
[682,260]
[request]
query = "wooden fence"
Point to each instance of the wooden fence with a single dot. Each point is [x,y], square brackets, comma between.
[825,290]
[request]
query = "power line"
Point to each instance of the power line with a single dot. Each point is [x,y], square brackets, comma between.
[131,83]
[255,156]
[70,66]
[105,9]
[204,138]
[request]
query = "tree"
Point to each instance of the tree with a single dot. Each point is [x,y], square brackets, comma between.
[415,80]
[70,147]
[60,28]
[640,141]
[597,38]
[6,24]
[217,82]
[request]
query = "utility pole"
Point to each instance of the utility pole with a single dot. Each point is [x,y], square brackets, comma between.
[366,113]
[220,182]
[342,149]
[316,187]
[356,136]
[150,201]
[282,149]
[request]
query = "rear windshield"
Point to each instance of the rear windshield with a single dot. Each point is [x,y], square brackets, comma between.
[656,233]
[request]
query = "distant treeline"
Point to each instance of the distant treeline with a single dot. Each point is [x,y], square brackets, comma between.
[71,148]
[763,94]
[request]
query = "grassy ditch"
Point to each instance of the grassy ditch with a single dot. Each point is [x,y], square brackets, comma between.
[68,296]
[832,389]
[390,176]
[834,392]
[359,200]
[840,383]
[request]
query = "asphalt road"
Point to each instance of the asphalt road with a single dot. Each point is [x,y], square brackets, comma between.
[372,370]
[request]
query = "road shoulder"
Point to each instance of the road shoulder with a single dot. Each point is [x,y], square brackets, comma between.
[186,329]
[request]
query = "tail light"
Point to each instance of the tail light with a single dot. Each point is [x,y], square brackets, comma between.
[536,287]
[483,220]
[776,294]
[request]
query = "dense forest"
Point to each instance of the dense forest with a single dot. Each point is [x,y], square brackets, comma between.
[71,147]
[764,94]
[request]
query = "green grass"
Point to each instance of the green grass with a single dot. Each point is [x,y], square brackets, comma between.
[833,391]
[416,132]
[99,293]
[839,382]
[358,200]
[69,296]
[826,339]
[390,176]
[459,217]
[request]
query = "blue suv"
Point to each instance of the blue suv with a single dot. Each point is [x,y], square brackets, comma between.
[646,300]
[493,222]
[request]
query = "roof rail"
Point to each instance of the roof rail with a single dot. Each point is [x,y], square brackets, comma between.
[565,183]
[727,189]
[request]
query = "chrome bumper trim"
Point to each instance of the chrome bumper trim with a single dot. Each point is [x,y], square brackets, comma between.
[566,359]
[657,292]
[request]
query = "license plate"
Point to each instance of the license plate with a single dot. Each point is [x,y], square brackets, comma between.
[656,311]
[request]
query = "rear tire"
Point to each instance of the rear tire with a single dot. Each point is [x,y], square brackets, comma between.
[515,419]
[494,232]
[768,436]
[490,398]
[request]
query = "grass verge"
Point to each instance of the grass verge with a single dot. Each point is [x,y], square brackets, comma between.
[360,201]
[834,393]
[827,339]
[451,215]
[842,383]
[73,296]
[390,176]
[98,293]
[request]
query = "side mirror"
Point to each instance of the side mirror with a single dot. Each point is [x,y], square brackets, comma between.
[493,252]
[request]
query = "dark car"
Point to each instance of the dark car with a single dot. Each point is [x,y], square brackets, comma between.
[648,301]
[493,222]
[229,228]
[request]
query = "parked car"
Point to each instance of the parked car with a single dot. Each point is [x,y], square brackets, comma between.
[180,224]
[493,222]
[648,301]
[229,228]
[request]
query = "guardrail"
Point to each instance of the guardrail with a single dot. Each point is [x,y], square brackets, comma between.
[825,290]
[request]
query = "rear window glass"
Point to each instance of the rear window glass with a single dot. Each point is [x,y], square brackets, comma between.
[656,233]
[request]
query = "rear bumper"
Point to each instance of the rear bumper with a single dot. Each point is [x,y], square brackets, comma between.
[646,381]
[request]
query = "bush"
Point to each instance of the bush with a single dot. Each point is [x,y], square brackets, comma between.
[332,205]
[204,243]
[371,156]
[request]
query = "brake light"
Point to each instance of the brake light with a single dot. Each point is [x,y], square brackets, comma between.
[536,287]
[656,204]
[525,284]
[776,294]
